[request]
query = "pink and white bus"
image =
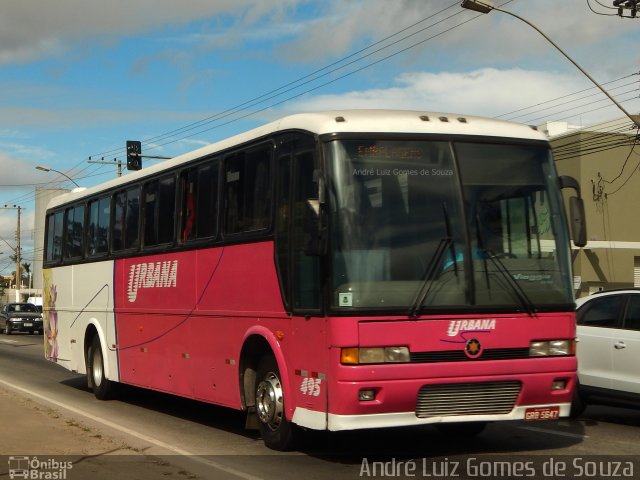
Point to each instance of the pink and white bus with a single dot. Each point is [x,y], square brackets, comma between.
[328,271]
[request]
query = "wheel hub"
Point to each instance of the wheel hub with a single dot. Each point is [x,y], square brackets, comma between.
[96,369]
[269,404]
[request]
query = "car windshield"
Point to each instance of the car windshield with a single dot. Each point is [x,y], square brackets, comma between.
[418,225]
[22,307]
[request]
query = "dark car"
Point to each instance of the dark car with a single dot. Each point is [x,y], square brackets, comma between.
[20,317]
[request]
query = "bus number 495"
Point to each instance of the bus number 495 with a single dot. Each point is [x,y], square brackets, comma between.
[311,386]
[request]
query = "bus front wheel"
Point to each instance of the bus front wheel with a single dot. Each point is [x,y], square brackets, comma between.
[102,388]
[276,431]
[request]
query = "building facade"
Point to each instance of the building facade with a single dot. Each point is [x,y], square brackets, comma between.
[605,159]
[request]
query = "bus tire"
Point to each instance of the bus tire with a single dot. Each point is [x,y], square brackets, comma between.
[103,388]
[276,431]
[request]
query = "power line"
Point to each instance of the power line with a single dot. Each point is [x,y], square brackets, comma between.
[510,116]
[172,136]
[599,13]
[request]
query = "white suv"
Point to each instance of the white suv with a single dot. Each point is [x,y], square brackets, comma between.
[608,349]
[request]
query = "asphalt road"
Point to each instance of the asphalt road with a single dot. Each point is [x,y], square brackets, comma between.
[205,441]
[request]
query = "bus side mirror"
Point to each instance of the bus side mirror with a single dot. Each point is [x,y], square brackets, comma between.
[577,220]
[315,243]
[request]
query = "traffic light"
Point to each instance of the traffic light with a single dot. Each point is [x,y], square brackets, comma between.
[134,157]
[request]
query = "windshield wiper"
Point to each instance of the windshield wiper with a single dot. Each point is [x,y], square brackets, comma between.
[447,224]
[516,289]
[519,292]
[429,274]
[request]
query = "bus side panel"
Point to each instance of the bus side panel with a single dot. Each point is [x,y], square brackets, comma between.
[75,297]
[237,288]
[239,279]
[181,317]
[154,302]
[307,352]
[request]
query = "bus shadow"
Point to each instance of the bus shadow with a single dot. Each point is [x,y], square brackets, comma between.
[405,443]
[618,415]
[508,438]
[206,414]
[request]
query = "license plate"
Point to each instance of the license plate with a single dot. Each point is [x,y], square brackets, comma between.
[28,324]
[542,413]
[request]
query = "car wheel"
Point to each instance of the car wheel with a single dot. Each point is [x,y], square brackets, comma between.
[7,329]
[277,432]
[102,387]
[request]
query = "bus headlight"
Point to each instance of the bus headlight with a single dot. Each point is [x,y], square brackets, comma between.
[366,355]
[551,348]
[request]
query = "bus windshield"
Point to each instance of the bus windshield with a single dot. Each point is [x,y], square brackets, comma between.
[420,226]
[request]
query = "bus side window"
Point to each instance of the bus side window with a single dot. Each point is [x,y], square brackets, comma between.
[207,200]
[199,202]
[132,223]
[248,195]
[104,217]
[98,227]
[305,269]
[120,203]
[159,208]
[54,237]
[188,180]
[283,222]
[125,222]
[74,238]
[150,213]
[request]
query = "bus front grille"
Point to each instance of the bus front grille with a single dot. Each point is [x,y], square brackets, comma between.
[455,399]
[459,355]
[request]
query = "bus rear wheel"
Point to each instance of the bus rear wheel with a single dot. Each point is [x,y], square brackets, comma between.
[102,388]
[276,431]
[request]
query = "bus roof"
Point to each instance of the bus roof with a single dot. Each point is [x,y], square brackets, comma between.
[343,121]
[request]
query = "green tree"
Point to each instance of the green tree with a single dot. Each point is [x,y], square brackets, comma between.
[26,274]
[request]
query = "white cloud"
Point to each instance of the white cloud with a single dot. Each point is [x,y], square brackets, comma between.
[35,28]
[486,92]
[17,170]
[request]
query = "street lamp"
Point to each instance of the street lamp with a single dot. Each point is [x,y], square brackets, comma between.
[47,169]
[484,8]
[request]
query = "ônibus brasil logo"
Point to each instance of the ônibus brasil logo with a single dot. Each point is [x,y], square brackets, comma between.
[151,275]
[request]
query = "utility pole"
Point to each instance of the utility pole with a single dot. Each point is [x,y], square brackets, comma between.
[116,162]
[18,259]
[485,8]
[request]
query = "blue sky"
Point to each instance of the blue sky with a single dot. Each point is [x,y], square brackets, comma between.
[80,77]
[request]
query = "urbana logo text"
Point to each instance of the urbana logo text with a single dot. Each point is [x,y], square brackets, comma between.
[460,326]
[151,275]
